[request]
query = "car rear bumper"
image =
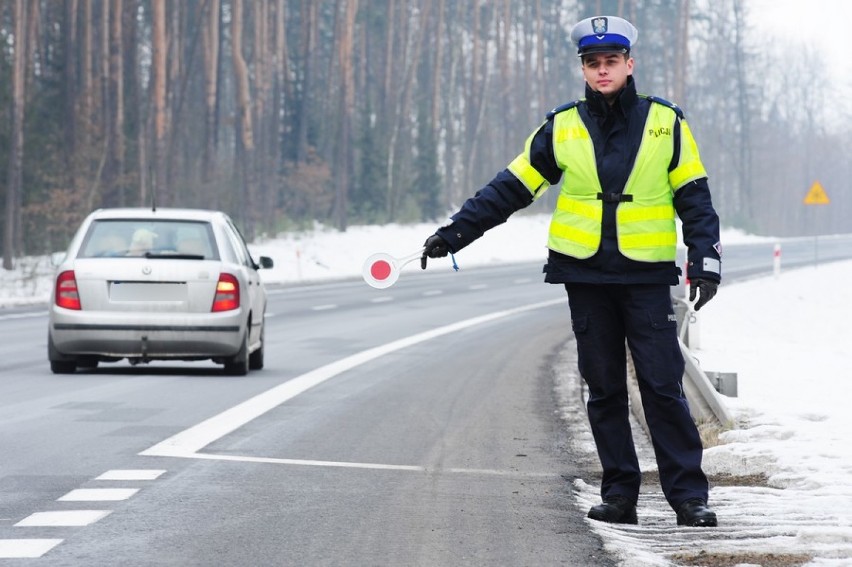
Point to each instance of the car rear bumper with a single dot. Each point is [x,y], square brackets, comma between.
[147,335]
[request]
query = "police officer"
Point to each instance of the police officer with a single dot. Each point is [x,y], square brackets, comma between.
[628,164]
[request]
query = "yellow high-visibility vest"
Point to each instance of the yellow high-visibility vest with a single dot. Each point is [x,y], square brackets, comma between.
[645,225]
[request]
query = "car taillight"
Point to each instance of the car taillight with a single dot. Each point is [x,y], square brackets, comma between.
[66,291]
[227,293]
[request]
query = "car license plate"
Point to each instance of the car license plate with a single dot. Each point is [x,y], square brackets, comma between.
[139,291]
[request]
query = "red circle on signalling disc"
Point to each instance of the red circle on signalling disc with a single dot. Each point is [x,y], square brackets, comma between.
[380,270]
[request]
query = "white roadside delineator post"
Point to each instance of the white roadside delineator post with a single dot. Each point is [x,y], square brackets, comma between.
[776,260]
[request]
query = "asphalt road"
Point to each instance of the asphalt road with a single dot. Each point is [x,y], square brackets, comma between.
[442,449]
[411,426]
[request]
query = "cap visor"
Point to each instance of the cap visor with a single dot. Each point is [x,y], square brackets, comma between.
[602,49]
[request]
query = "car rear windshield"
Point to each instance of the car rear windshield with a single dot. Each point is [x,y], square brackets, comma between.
[149,238]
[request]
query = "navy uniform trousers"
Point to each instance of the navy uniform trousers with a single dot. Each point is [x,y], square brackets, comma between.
[603,316]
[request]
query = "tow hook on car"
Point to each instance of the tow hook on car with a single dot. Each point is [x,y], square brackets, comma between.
[144,350]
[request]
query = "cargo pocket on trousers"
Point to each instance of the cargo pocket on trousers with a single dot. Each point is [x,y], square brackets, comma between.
[663,321]
[667,365]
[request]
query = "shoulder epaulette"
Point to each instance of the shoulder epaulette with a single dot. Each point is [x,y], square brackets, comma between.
[664,102]
[563,108]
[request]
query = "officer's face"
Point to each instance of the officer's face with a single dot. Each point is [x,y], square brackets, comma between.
[607,72]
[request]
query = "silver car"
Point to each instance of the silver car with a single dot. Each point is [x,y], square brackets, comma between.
[164,284]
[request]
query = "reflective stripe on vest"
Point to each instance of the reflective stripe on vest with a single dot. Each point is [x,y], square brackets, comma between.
[646,225]
[526,173]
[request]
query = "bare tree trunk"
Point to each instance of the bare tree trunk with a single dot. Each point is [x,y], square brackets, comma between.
[87,100]
[136,107]
[69,79]
[347,100]
[245,145]
[263,82]
[403,100]
[743,115]
[390,59]
[176,43]
[504,26]
[539,63]
[436,72]
[281,100]
[34,56]
[682,54]
[210,40]
[309,31]
[114,180]
[100,121]
[12,232]
[452,115]
[475,97]
[158,93]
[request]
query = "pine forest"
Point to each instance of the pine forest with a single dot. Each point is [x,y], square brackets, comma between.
[286,113]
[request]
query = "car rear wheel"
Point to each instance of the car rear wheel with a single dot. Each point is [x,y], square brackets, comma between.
[256,358]
[238,365]
[59,363]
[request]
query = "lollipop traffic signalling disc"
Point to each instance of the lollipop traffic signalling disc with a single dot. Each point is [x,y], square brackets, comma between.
[381,270]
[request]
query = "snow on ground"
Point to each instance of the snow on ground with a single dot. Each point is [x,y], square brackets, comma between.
[787,338]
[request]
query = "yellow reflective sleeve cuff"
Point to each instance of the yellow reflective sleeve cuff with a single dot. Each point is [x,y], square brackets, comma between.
[683,174]
[527,174]
[690,167]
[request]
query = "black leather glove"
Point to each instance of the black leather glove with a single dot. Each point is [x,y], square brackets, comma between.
[434,247]
[706,289]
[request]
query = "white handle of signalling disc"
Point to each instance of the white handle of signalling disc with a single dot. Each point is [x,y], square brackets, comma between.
[381,270]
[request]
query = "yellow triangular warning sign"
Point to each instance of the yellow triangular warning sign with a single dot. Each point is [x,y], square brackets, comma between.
[816,195]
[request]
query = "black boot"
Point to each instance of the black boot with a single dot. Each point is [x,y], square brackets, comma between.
[615,510]
[695,513]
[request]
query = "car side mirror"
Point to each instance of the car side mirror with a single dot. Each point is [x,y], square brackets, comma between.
[266,262]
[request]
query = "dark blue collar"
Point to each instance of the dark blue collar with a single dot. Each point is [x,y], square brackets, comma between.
[625,100]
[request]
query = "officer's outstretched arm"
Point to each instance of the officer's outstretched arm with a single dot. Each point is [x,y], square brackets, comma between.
[490,206]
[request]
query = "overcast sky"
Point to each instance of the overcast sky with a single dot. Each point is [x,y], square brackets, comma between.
[820,23]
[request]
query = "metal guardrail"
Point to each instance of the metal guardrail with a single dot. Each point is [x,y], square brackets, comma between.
[704,401]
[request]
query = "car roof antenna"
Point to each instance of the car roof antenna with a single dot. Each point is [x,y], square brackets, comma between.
[154,201]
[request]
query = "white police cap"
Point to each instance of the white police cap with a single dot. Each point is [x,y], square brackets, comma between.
[604,34]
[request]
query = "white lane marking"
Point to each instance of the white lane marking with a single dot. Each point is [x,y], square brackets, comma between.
[64,518]
[131,474]
[433,292]
[324,307]
[200,435]
[373,466]
[522,280]
[475,287]
[26,548]
[382,299]
[268,315]
[98,494]
[305,463]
